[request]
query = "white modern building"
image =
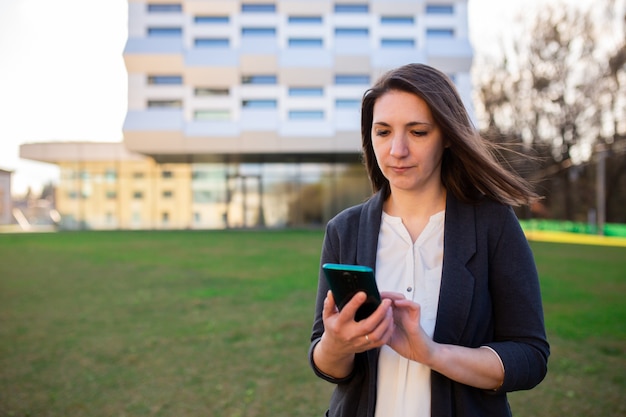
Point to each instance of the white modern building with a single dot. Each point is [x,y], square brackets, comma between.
[252,109]
[230,80]
[263,97]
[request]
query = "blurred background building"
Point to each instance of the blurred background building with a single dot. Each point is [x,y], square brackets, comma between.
[5,197]
[246,113]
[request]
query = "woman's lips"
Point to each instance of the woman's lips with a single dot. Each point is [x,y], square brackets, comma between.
[400,169]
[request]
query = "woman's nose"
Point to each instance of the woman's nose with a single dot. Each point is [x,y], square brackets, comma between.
[399,146]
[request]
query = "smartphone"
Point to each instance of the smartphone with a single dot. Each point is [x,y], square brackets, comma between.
[346,280]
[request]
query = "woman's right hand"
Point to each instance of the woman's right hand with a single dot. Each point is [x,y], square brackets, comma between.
[344,337]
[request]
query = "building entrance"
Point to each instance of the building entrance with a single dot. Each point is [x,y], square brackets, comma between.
[244,201]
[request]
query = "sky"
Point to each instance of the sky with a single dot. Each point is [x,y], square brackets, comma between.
[62,74]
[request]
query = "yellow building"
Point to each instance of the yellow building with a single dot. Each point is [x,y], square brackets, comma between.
[103,186]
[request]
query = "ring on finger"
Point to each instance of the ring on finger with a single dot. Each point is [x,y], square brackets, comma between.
[367,337]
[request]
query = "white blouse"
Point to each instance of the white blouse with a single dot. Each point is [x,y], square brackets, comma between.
[413,269]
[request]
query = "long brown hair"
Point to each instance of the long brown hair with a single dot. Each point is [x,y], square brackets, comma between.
[469,167]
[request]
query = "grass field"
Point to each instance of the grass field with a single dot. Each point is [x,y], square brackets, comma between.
[217,324]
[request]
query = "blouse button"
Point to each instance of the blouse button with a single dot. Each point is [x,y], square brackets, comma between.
[409,289]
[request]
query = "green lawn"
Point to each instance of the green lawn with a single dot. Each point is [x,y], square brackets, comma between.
[217,324]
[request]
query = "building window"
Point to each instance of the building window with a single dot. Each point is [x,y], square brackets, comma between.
[165,8]
[397,43]
[165,80]
[351,8]
[211,42]
[305,20]
[352,79]
[347,103]
[360,32]
[68,174]
[259,104]
[258,31]
[165,217]
[138,175]
[137,195]
[258,8]
[110,175]
[197,218]
[207,91]
[440,33]
[305,43]
[167,194]
[111,195]
[202,196]
[306,114]
[200,175]
[211,115]
[167,174]
[258,79]
[165,104]
[397,20]
[203,20]
[439,9]
[72,195]
[165,32]
[306,91]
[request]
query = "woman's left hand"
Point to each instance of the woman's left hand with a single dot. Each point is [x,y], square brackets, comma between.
[478,367]
[409,339]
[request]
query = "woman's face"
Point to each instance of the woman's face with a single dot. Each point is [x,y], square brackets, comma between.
[406,141]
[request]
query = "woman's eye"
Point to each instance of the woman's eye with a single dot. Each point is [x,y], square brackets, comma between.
[419,133]
[379,132]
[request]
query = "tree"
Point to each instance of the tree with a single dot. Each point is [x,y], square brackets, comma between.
[556,93]
[613,143]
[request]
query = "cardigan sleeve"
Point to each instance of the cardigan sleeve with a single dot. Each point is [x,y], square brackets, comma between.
[519,332]
[334,250]
[322,290]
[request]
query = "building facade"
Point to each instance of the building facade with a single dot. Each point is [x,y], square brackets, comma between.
[5,197]
[103,186]
[252,80]
[257,103]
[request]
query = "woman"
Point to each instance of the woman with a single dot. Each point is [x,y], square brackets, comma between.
[461,322]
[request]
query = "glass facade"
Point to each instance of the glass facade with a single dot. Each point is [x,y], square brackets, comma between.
[221,195]
[274,194]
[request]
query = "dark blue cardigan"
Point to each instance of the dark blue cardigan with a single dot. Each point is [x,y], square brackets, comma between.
[489,296]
